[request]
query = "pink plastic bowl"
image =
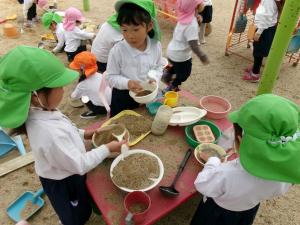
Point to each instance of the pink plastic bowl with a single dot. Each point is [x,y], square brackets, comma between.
[216,107]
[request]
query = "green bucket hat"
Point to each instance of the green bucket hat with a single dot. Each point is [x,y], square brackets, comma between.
[22,70]
[50,17]
[112,20]
[270,146]
[149,6]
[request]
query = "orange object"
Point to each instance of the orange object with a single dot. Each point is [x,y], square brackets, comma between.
[10,31]
[203,134]
[85,61]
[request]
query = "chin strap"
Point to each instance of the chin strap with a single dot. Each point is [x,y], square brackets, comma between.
[285,139]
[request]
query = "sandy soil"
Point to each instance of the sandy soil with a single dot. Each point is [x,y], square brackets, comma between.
[222,77]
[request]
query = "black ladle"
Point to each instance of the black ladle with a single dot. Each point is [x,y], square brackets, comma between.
[170,190]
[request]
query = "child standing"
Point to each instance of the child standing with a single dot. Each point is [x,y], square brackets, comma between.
[184,41]
[206,15]
[108,35]
[89,84]
[53,21]
[265,20]
[268,139]
[31,88]
[130,59]
[73,34]
[29,11]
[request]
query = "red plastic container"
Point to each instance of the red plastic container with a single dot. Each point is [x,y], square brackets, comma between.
[216,107]
[138,204]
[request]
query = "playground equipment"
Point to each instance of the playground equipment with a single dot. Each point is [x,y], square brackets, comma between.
[240,37]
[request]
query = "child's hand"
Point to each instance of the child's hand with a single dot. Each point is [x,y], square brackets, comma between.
[152,81]
[204,59]
[135,86]
[256,36]
[204,156]
[88,134]
[115,146]
[199,19]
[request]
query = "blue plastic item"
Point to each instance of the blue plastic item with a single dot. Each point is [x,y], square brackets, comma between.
[294,45]
[14,210]
[6,143]
[153,107]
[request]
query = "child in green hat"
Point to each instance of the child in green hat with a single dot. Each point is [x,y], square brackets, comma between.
[268,139]
[31,88]
[131,59]
[53,21]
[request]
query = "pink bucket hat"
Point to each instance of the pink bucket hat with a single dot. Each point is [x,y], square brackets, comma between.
[71,16]
[186,10]
[42,3]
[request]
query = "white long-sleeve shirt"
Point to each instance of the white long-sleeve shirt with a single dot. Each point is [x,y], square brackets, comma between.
[232,188]
[266,15]
[90,87]
[207,2]
[58,147]
[59,32]
[105,39]
[73,38]
[179,49]
[126,63]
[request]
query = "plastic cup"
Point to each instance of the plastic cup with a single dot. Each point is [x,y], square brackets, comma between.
[137,205]
[171,98]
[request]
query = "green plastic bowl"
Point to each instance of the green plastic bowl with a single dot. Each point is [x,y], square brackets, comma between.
[190,137]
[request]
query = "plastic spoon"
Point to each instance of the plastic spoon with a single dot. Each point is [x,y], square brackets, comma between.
[124,147]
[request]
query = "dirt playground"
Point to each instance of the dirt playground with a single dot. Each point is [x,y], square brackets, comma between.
[223,77]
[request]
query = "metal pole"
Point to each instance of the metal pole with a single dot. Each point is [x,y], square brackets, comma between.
[285,28]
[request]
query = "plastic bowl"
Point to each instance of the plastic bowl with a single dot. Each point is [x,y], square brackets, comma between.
[147,98]
[153,107]
[135,151]
[100,133]
[190,137]
[216,107]
[204,146]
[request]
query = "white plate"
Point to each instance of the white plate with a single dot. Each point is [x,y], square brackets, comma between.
[186,115]
[135,151]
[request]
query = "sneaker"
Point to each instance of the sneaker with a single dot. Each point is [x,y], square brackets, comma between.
[254,78]
[88,115]
[248,69]
[203,41]
[167,76]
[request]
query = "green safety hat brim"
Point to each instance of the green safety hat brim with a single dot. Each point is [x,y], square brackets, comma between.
[23,70]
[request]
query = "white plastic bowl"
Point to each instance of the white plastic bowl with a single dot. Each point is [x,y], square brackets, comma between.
[135,151]
[147,98]
[203,146]
[186,115]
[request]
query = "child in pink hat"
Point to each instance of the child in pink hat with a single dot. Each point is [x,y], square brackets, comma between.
[184,42]
[29,10]
[73,34]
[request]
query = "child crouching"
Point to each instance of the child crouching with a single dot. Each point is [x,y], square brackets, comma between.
[89,84]
[53,22]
